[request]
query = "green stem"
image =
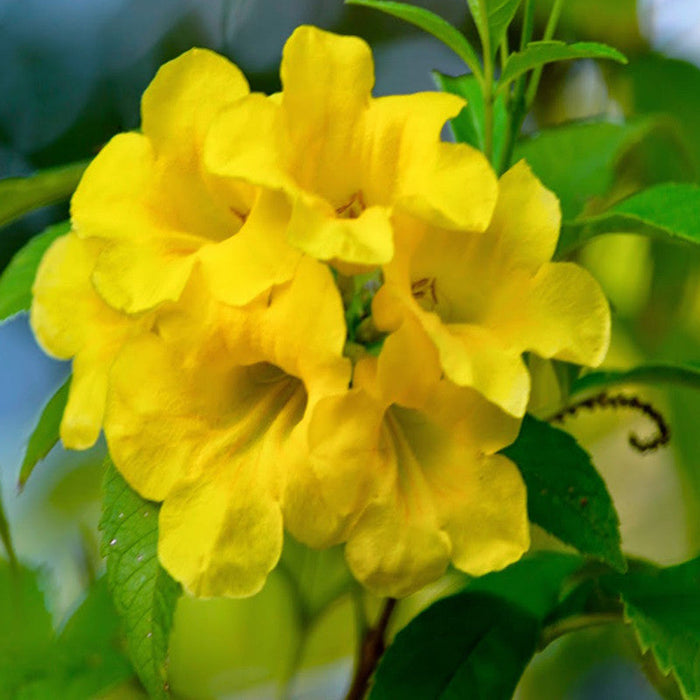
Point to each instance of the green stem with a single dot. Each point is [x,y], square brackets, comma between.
[516,106]
[371,650]
[548,34]
[575,623]
[6,537]
[488,86]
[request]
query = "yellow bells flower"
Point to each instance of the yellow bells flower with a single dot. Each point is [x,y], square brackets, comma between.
[209,415]
[148,197]
[485,299]
[347,161]
[414,458]
[70,320]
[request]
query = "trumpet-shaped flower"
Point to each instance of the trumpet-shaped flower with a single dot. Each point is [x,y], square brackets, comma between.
[484,300]
[412,459]
[157,210]
[70,320]
[345,161]
[209,416]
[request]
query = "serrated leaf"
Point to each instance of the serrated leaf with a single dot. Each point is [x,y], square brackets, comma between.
[538,53]
[663,606]
[681,375]
[17,278]
[430,22]
[468,125]
[499,14]
[144,594]
[46,433]
[566,495]
[20,195]
[470,645]
[667,212]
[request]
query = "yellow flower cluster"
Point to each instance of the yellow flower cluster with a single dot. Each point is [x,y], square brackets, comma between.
[305,311]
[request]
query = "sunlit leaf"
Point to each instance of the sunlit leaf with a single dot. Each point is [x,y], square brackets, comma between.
[499,14]
[46,433]
[565,494]
[430,22]
[17,278]
[20,195]
[663,606]
[144,594]
[537,53]
[668,212]
[683,375]
[470,645]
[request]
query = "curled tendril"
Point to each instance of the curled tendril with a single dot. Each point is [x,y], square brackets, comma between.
[602,400]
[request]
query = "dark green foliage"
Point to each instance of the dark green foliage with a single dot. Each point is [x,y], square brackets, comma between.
[566,495]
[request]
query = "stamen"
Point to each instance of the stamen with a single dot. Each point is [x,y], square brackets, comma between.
[422,287]
[354,208]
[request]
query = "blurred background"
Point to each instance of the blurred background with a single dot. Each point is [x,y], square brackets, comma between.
[72,75]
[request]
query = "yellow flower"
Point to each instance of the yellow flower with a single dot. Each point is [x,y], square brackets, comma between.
[411,459]
[148,198]
[348,162]
[485,299]
[209,416]
[71,321]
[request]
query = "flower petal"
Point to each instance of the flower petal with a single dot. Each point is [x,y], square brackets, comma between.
[185,96]
[366,240]
[221,535]
[561,313]
[486,519]
[327,81]
[445,184]
[526,219]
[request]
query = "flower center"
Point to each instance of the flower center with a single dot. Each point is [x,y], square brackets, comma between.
[353,208]
[424,292]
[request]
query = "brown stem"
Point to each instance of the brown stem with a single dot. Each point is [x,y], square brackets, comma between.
[371,650]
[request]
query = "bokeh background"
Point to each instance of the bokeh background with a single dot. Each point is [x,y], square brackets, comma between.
[71,76]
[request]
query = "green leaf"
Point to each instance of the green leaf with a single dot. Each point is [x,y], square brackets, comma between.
[668,212]
[579,161]
[533,583]
[470,645]
[682,375]
[27,634]
[468,125]
[663,606]
[537,53]
[317,577]
[144,594]
[679,80]
[431,23]
[566,495]
[88,659]
[20,195]
[500,14]
[46,433]
[18,277]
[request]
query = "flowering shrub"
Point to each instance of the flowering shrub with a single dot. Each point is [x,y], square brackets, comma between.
[308,320]
[211,341]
